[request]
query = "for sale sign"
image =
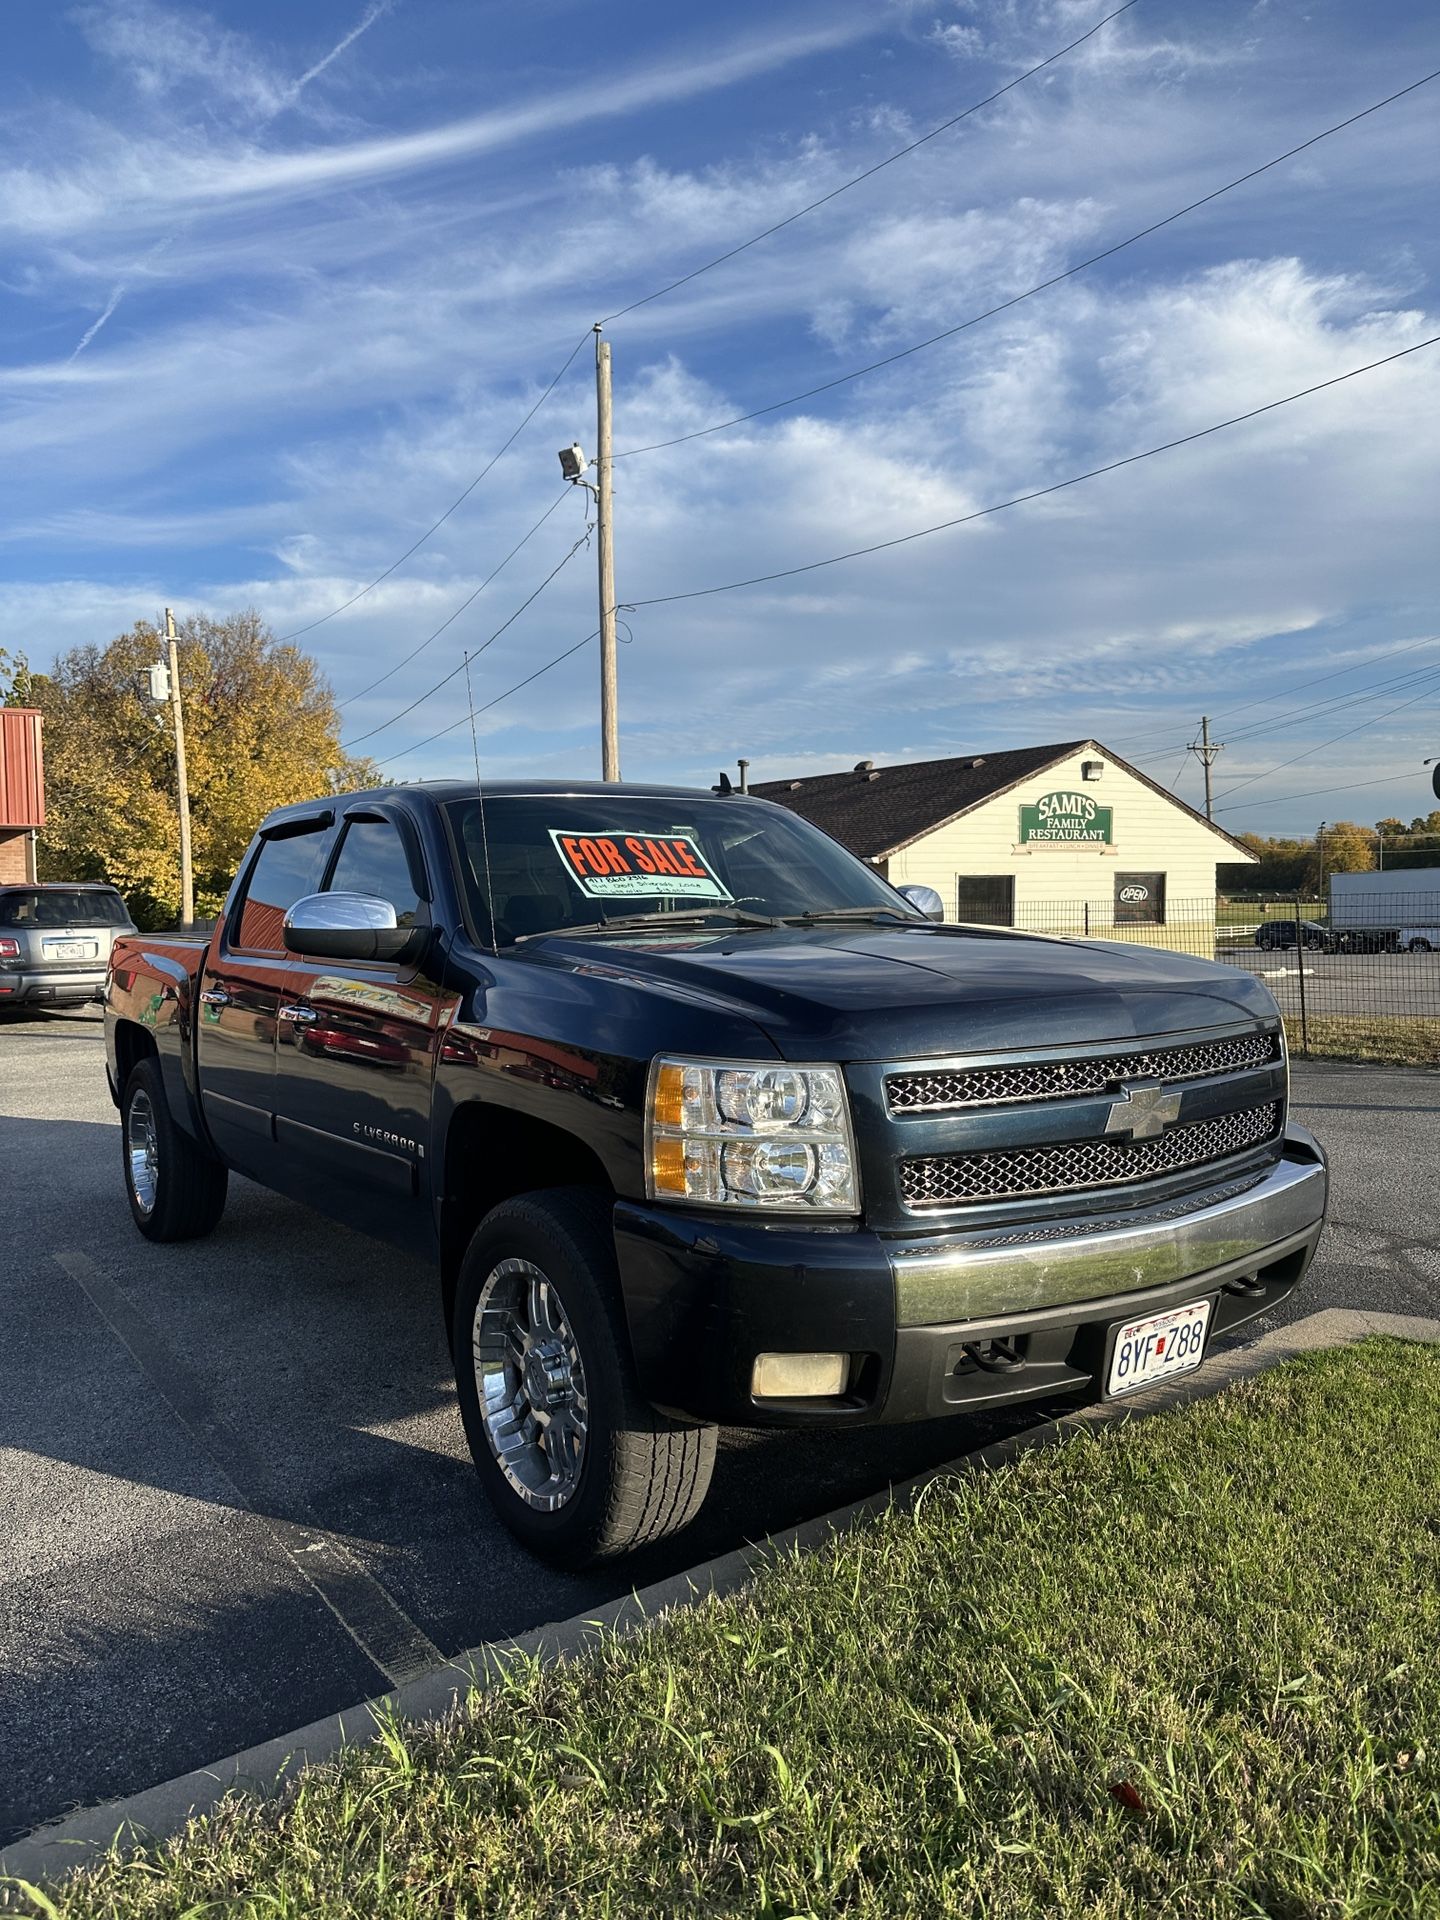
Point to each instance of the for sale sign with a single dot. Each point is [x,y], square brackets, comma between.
[621,866]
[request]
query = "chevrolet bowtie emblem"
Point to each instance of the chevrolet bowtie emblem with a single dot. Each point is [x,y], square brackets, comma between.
[1143,1112]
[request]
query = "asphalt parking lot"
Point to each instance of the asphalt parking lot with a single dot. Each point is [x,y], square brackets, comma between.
[235,1490]
[1360,985]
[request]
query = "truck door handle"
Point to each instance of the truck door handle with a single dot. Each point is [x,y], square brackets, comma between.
[215,997]
[302,1016]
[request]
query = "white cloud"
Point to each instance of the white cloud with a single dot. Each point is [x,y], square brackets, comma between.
[326,373]
[165,50]
[159,178]
[961,43]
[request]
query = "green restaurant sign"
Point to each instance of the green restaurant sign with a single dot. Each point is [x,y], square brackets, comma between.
[1065,819]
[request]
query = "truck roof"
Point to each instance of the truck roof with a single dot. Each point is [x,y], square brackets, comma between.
[437,792]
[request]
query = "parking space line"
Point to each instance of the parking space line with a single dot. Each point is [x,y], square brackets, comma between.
[374,1620]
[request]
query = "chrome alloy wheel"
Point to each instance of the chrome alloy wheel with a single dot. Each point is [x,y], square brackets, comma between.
[531,1384]
[142,1151]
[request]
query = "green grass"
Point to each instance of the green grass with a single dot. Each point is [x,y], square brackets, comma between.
[1401,1040]
[1231,1612]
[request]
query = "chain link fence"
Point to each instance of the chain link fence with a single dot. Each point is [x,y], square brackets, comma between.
[1358,978]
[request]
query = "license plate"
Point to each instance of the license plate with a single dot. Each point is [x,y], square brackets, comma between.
[70,949]
[1157,1347]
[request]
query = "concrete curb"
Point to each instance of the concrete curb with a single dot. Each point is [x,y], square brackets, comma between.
[66,1845]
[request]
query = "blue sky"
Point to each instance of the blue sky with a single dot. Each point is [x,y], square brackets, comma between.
[276,281]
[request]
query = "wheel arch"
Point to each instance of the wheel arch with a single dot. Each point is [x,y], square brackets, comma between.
[495,1153]
[133,1043]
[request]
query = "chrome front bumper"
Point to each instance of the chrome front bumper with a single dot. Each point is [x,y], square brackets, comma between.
[985,1273]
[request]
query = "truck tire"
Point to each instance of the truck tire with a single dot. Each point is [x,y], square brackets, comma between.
[578,1466]
[176,1188]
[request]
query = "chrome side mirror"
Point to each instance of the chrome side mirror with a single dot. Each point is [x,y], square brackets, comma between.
[349,926]
[925,900]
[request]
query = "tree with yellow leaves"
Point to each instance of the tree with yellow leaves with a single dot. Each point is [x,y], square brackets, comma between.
[261,730]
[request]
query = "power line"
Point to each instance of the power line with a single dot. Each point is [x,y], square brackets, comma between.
[1310,752]
[464,664]
[295,632]
[564,494]
[1356,696]
[1265,700]
[659,293]
[869,173]
[1315,793]
[1038,493]
[474,712]
[949,333]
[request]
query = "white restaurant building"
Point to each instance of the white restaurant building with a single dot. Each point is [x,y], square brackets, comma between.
[1067,839]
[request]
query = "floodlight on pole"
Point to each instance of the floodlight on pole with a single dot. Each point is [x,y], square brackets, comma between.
[573,465]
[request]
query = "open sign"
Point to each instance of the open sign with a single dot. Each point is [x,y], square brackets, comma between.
[1132,896]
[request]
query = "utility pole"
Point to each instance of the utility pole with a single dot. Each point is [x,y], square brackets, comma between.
[605,532]
[1205,750]
[182,785]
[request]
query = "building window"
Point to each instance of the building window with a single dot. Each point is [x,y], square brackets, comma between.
[1139,899]
[986,899]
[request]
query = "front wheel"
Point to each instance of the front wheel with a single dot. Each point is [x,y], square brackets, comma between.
[1420,946]
[176,1188]
[575,1462]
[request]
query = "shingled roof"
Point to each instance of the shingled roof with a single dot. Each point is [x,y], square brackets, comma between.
[875,811]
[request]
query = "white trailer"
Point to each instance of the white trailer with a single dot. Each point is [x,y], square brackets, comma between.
[1398,910]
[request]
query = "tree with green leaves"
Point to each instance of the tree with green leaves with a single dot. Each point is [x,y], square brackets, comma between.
[262,729]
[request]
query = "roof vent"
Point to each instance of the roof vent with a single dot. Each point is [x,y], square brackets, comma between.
[872,775]
[864,766]
[795,785]
[978,761]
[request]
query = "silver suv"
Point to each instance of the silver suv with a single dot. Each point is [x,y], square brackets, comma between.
[55,940]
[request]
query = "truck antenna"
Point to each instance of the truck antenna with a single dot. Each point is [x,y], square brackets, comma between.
[480,798]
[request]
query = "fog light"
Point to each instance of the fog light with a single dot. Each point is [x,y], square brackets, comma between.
[798,1376]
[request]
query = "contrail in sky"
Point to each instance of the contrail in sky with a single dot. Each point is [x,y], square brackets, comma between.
[368,18]
[371,14]
[116,296]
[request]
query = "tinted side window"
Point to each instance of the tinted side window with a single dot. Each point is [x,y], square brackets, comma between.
[286,871]
[372,861]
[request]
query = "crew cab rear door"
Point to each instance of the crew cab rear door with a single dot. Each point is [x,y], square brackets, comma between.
[245,973]
[357,1047]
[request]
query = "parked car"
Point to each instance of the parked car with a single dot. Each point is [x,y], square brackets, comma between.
[55,939]
[1418,939]
[1282,933]
[703,1123]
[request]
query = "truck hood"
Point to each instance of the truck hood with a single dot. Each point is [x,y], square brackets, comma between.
[876,993]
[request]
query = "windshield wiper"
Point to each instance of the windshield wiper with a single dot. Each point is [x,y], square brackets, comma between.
[631,922]
[874,915]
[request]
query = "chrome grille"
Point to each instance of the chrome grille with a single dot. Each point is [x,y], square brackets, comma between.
[1022,1173]
[1010,1085]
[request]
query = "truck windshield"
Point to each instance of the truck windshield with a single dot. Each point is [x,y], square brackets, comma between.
[582,861]
[62,907]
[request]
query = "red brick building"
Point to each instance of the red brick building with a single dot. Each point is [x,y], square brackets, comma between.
[22,791]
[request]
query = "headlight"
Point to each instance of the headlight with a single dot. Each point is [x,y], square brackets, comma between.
[729,1133]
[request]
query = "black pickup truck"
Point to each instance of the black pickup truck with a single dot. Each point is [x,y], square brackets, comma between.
[704,1122]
